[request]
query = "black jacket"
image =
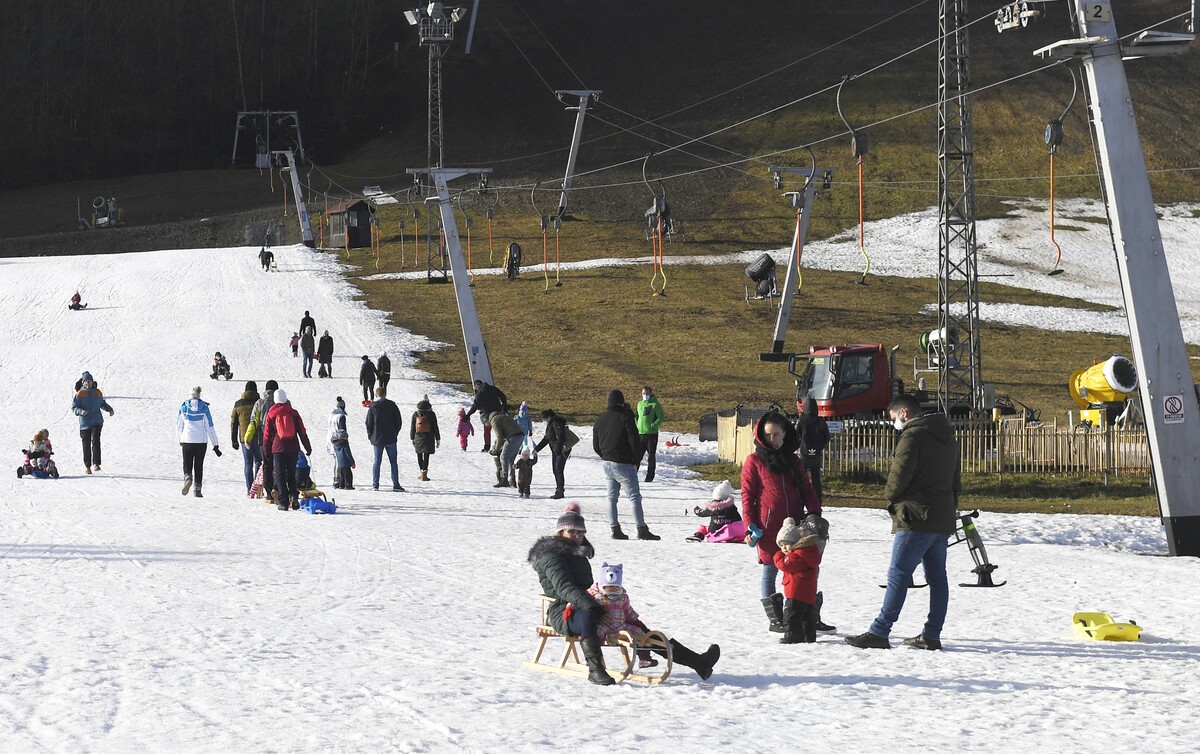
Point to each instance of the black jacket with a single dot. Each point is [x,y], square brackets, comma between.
[383,422]
[925,480]
[814,435]
[384,367]
[325,349]
[309,324]
[615,436]
[366,375]
[565,574]
[488,400]
[424,442]
[556,434]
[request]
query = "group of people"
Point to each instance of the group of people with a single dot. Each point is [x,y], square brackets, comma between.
[315,350]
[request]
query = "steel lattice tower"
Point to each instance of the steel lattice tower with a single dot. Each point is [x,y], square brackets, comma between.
[959,370]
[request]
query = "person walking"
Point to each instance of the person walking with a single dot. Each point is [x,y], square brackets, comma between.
[814,438]
[615,440]
[775,487]
[87,404]
[325,354]
[383,369]
[425,436]
[308,324]
[366,378]
[488,400]
[258,417]
[560,439]
[283,434]
[923,488]
[308,349]
[383,427]
[194,426]
[239,427]
[339,446]
[509,438]
[649,418]
[265,258]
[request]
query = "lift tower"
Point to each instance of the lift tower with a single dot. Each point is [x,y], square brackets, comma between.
[1165,382]
[957,347]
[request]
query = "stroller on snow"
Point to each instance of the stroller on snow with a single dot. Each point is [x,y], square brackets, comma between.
[38,463]
[221,368]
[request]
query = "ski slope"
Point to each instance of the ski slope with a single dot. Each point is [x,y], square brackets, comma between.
[138,620]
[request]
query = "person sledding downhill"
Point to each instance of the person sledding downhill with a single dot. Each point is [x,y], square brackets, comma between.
[221,368]
[283,434]
[38,461]
[75,304]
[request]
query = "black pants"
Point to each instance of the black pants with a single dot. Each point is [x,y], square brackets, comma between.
[368,391]
[799,622]
[384,379]
[649,451]
[558,464]
[814,475]
[193,461]
[91,445]
[422,461]
[285,479]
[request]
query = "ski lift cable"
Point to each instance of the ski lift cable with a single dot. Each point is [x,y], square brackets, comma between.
[550,44]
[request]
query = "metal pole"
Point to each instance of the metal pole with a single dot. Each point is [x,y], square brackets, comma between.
[471,28]
[301,209]
[793,269]
[1168,395]
[581,112]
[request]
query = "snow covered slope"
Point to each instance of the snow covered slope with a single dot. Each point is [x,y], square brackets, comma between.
[138,620]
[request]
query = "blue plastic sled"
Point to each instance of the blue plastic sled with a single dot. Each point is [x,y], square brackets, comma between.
[317,505]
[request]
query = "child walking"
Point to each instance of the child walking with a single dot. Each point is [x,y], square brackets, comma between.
[524,469]
[799,558]
[465,428]
[295,344]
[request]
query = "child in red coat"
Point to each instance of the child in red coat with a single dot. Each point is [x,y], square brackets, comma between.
[799,558]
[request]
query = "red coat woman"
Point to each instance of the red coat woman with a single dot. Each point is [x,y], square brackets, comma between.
[775,486]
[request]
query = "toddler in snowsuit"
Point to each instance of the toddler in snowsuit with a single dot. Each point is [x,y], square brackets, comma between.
[295,344]
[524,469]
[465,428]
[37,457]
[619,615]
[799,558]
[725,520]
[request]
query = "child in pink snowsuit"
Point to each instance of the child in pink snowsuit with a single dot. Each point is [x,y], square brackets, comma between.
[619,615]
[295,344]
[465,429]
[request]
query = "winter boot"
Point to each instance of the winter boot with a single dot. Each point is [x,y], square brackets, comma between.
[424,475]
[774,607]
[295,502]
[187,484]
[196,492]
[347,479]
[20,472]
[793,632]
[702,664]
[558,494]
[484,449]
[822,628]
[594,658]
[617,533]
[281,502]
[645,533]
[869,640]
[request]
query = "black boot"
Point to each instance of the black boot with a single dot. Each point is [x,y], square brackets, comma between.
[822,628]
[645,533]
[558,494]
[617,533]
[791,624]
[594,658]
[774,607]
[702,664]
[348,479]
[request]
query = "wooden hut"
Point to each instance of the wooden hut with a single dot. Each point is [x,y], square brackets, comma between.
[349,224]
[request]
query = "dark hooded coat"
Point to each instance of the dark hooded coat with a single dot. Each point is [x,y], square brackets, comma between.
[565,575]
[925,480]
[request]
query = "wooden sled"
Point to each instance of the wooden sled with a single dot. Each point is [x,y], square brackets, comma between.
[1102,627]
[570,662]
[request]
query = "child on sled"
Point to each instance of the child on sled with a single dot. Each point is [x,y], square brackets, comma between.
[220,367]
[37,457]
[725,520]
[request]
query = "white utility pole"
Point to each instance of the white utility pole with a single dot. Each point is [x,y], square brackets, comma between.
[1168,393]
[581,111]
[477,355]
[301,210]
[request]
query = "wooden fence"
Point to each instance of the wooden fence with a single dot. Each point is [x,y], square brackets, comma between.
[1010,447]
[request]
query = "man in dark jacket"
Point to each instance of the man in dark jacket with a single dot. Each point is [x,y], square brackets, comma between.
[384,369]
[922,491]
[325,353]
[239,422]
[366,378]
[309,325]
[814,438]
[615,440]
[488,400]
[383,427]
[308,349]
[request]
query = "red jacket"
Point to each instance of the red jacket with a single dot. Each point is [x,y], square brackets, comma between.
[279,415]
[768,496]
[800,573]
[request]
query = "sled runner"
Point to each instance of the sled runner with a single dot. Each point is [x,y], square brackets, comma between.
[569,663]
[1102,627]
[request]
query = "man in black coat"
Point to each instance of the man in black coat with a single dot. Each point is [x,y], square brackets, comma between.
[383,427]
[308,324]
[488,400]
[325,353]
[366,378]
[615,440]
[384,369]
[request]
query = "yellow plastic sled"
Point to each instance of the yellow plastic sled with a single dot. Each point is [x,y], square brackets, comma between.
[1102,627]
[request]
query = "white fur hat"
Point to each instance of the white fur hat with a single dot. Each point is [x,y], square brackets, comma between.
[789,533]
[723,491]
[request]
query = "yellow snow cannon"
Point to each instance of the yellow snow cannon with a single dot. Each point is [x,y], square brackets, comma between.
[1103,389]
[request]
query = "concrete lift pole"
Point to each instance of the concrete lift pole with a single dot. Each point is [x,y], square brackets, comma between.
[805,199]
[581,111]
[1168,393]
[301,209]
[477,355]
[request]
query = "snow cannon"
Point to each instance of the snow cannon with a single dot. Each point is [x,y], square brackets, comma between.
[938,343]
[1102,390]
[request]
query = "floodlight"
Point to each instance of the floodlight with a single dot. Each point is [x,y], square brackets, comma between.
[413,17]
[458,14]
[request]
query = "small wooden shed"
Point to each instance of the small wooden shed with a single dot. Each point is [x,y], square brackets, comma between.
[349,224]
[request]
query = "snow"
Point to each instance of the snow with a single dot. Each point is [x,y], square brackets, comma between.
[143,621]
